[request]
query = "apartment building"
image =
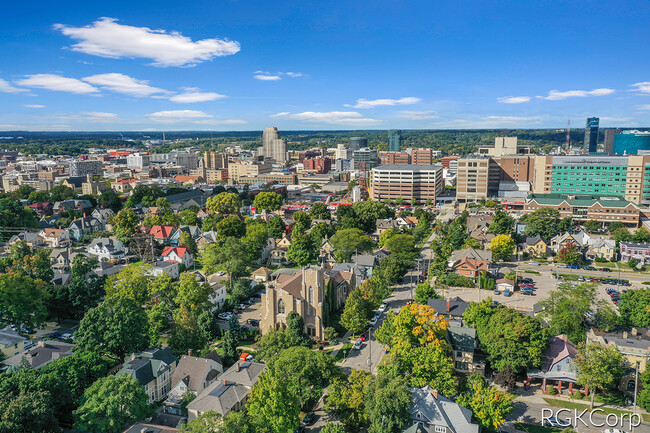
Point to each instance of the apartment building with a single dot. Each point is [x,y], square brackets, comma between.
[478,178]
[421,156]
[242,169]
[81,167]
[394,158]
[419,182]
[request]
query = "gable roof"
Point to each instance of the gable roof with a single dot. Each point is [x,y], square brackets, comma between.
[161,232]
[430,407]
[193,371]
[180,251]
[145,366]
[456,306]
[559,348]
[470,253]
[41,354]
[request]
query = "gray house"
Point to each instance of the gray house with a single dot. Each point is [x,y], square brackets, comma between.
[433,413]
[557,363]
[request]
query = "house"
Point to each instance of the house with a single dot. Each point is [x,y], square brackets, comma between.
[11,343]
[454,307]
[634,345]
[74,182]
[408,222]
[279,253]
[42,354]
[153,369]
[206,238]
[637,251]
[194,232]
[140,427]
[381,254]
[470,267]
[265,254]
[564,240]
[557,363]
[432,412]
[61,258]
[178,254]
[463,343]
[191,375]
[601,248]
[166,267]
[55,238]
[219,293]
[102,215]
[106,249]
[262,274]
[469,253]
[326,252]
[42,208]
[505,285]
[385,224]
[535,246]
[367,262]
[83,226]
[32,240]
[80,205]
[229,392]
[163,234]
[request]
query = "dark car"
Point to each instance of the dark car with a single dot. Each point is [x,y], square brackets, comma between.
[605,269]
[309,418]
[253,322]
[527,292]
[589,268]
[54,335]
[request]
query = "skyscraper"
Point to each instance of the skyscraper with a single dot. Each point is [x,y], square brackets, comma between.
[609,139]
[591,135]
[357,143]
[394,140]
[273,146]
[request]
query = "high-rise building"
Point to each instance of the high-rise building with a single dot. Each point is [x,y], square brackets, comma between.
[394,140]
[318,165]
[138,160]
[187,160]
[421,156]
[609,139]
[215,160]
[394,158]
[408,182]
[343,152]
[273,146]
[631,142]
[357,143]
[478,178]
[504,146]
[591,135]
[365,159]
[82,167]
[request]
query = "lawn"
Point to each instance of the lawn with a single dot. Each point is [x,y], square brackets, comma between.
[340,356]
[580,406]
[529,271]
[533,428]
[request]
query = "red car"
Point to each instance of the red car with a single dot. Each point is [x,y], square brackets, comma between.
[363,336]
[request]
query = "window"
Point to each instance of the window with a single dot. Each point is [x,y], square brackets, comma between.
[281,307]
[441,429]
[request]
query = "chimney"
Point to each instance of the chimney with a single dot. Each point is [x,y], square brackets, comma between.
[448,306]
[41,344]
[434,393]
[189,352]
[133,357]
[635,332]
[625,334]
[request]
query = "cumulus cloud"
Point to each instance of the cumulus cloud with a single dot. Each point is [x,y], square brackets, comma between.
[284,113]
[8,88]
[57,83]
[124,84]
[513,99]
[371,103]
[556,95]
[34,106]
[267,77]
[107,38]
[418,115]
[192,95]
[332,117]
[643,87]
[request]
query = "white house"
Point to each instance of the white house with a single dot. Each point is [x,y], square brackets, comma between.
[178,254]
[218,296]
[166,267]
[55,238]
[106,249]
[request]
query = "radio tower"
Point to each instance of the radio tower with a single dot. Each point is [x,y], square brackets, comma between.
[568,136]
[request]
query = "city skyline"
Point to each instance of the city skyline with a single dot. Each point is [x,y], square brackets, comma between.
[341,67]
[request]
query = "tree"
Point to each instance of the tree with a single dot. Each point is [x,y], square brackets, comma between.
[634,307]
[502,223]
[230,343]
[230,226]
[488,405]
[22,300]
[189,217]
[224,203]
[275,341]
[386,235]
[502,246]
[124,224]
[599,367]
[641,235]
[14,214]
[346,400]
[570,255]
[272,403]
[356,313]
[592,226]
[28,413]
[330,427]
[320,211]
[208,325]
[402,245]
[368,212]
[268,201]
[188,241]
[116,327]
[207,422]
[132,281]
[79,371]
[296,324]
[301,251]
[83,291]
[615,225]
[111,403]
[192,294]
[543,222]
[349,241]
[506,378]
[229,256]
[388,404]
[276,227]
[424,292]
[186,333]
[644,395]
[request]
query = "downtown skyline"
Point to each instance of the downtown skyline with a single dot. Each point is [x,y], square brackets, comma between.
[235,66]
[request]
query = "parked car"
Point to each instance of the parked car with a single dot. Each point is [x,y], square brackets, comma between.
[573,267]
[526,280]
[383,307]
[224,316]
[507,292]
[309,419]
[373,321]
[253,322]
[54,335]
[496,292]
[556,422]
[605,269]
[528,292]
[67,336]
[357,345]
[561,265]
[589,268]
[363,336]
[534,263]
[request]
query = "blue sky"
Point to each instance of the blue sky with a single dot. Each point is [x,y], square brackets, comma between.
[245,65]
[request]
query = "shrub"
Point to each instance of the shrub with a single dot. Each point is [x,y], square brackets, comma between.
[577,395]
[600,260]
[456,280]
[552,390]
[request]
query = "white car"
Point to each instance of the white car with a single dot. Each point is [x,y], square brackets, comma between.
[66,336]
[556,422]
[373,321]
[225,316]
[613,430]
[534,263]
[561,265]
[357,345]
[383,307]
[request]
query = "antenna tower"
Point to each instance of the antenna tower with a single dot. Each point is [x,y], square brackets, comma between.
[568,136]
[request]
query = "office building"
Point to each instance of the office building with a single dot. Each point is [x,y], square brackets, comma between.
[273,146]
[343,152]
[478,178]
[357,143]
[504,146]
[215,160]
[343,164]
[83,167]
[591,135]
[310,153]
[625,176]
[138,160]
[365,159]
[631,142]
[609,139]
[187,160]
[394,140]
[247,169]
[450,162]
[318,165]
[419,182]
[421,156]
[394,158]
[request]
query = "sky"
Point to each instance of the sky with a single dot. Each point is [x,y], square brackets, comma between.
[318,65]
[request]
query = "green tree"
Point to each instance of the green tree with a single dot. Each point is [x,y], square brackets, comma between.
[207,422]
[22,300]
[424,292]
[124,224]
[544,222]
[186,333]
[78,371]
[346,400]
[488,405]
[132,281]
[503,247]
[273,403]
[320,211]
[275,341]
[188,241]
[599,367]
[615,225]
[644,395]
[356,313]
[224,203]
[230,226]
[229,256]
[189,217]
[111,403]
[276,227]
[116,327]
[502,223]
[268,201]
[230,343]
[192,294]
[388,404]
[570,255]
[349,241]
[386,235]
[592,226]
[28,413]
[302,251]
[635,307]
[330,427]
[402,245]
[83,291]
[368,212]
[14,214]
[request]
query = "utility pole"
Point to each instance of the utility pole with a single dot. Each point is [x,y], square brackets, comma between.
[636,384]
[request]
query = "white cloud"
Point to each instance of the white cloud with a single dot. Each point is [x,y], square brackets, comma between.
[294,74]
[192,95]
[57,83]
[489,122]
[643,87]
[220,122]
[556,95]
[284,113]
[418,115]
[124,84]
[177,115]
[34,106]
[106,38]
[643,107]
[513,99]
[366,103]
[333,117]
[8,88]
[93,116]
[267,77]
